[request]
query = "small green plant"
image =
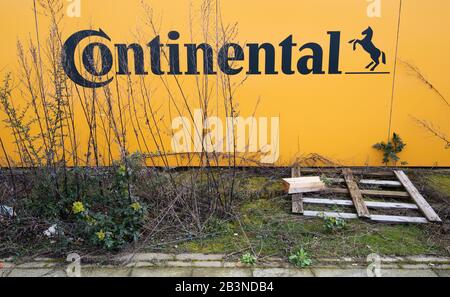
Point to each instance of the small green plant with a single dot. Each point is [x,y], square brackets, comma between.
[248,259]
[328,182]
[333,224]
[300,259]
[391,149]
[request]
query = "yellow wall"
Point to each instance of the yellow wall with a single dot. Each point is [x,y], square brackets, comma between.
[337,116]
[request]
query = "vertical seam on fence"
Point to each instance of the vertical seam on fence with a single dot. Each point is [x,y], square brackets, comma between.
[395,71]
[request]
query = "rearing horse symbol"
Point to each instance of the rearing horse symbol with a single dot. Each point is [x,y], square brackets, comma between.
[369,47]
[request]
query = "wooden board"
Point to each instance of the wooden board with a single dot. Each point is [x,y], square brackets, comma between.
[383,193]
[370,182]
[370,204]
[375,218]
[302,180]
[398,219]
[423,205]
[297,201]
[330,214]
[303,184]
[386,183]
[355,193]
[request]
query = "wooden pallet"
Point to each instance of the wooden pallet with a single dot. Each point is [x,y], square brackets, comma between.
[401,188]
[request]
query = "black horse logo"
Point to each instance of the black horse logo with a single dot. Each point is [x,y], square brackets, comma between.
[370,48]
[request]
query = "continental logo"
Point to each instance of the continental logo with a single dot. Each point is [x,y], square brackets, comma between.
[156,58]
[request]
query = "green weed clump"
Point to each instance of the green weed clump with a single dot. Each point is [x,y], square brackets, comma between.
[300,259]
[248,259]
[332,224]
[391,149]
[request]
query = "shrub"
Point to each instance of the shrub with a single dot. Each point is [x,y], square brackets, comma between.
[120,220]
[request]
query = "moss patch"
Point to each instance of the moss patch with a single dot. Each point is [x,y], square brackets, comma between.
[261,187]
[440,183]
[266,227]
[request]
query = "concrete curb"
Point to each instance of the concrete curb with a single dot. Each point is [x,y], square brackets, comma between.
[159,264]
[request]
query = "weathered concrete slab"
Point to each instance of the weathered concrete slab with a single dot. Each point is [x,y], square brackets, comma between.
[152,257]
[415,266]
[440,266]
[427,259]
[408,273]
[442,273]
[32,265]
[178,263]
[333,272]
[40,272]
[221,272]
[200,257]
[281,272]
[106,272]
[390,259]
[207,264]
[140,264]
[233,264]
[162,272]
[185,265]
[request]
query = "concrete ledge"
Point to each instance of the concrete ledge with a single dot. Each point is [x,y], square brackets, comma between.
[159,264]
[162,272]
[149,257]
[207,263]
[443,273]
[408,273]
[200,257]
[39,272]
[221,272]
[282,272]
[440,266]
[427,259]
[336,272]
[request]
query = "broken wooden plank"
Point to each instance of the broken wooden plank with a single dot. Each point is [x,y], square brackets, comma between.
[303,184]
[330,214]
[370,204]
[297,201]
[328,201]
[423,205]
[375,182]
[397,205]
[355,193]
[398,219]
[370,182]
[395,194]
[375,218]
[302,180]
[399,194]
